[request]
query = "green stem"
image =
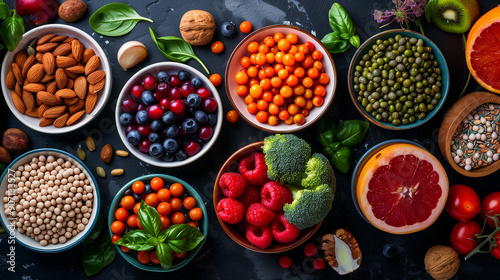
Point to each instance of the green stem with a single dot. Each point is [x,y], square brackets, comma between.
[469,74]
[419,23]
[407,25]
[203,65]
[478,248]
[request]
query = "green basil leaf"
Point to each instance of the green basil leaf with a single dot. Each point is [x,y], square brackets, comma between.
[12,31]
[327,150]
[149,219]
[334,43]
[334,146]
[134,239]
[429,9]
[98,254]
[4,11]
[176,49]
[340,21]
[95,231]
[182,238]
[342,158]
[115,19]
[345,36]
[355,41]
[325,131]
[163,236]
[352,132]
[150,244]
[164,254]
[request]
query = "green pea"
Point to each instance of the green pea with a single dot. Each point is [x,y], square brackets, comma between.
[421,116]
[369,108]
[405,121]
[408,53]
[396,122]
[391,108]
[409,104]
[411,119]
[422,107]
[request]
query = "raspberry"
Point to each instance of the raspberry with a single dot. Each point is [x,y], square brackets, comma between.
[274,196]
[232,184]
[259,236]
[254,168]
[258,215]
[250,196]
[282,230]
[230,210]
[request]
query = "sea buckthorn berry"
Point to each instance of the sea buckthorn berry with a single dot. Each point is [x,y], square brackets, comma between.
[307,82]
[276,82]
[268,96]
[293,109]
[313,73]
[288,60]
[260,58]
[176,189]
[195,214]
[252,71]
[273,109]
[272,120]
[163,195]
[262,74]
[317,101]
[318,65]
[283,115]
[317,55]
[252,108]
[323,79]
[307,63]
[138,187]
[270,72]
[121,214]
[241,78]
[157,183]
[278,99]
[252,58]
[278,66]
[320,91]
[246,27]
[303,49]
[308,94]
[292,38]
[286,91]
[289,121]
[292,80]
[299,72]
[293,49]
[256,91]
[278,36]
[232,116]
[300,101]
[245,62]
[279,57]
[309,104]
[263,48]
[262,116]
[177,218]
[284,45]
[164,208]
[270,58]
[217,47]
[299,57]
[249,99]
[253,81]
[299,90]
[127,202]
[242,90]
[269,41]
[283,74]
[262,105]
[215,79]
[310,46]
[265,83]
[299,119]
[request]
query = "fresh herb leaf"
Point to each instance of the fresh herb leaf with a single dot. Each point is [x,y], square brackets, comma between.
[98,254]
[164,254]
[135,240]
[4,11]
[115,19]
[149,219]
[429,9]
[95,231]
[12,31]
[352,132]
[342,158]
[1,47]
[175,49]
[182,238]
[340,21]
[355,41]
[334,43]
[325,131]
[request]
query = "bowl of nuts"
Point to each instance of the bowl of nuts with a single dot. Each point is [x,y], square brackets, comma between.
[57,80]
[50,201]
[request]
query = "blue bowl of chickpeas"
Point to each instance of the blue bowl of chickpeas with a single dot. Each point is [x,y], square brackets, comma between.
[50,200]
[398,79]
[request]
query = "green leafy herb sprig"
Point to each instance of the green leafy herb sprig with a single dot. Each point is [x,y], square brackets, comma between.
[344,31]
[98,250]
[12,28]
[115,19]
[337,141]
[176,49]
[176,238]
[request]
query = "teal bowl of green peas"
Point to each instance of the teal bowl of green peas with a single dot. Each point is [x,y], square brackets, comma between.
[398,79]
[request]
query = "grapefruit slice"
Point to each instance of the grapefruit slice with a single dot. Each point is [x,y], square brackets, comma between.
[482,51]
[402,189]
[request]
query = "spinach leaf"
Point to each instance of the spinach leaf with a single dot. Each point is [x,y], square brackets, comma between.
[115,19]
[342,158]
[135,240]
[12,31]
[175,49]
[352,132]
[95,231]
[334,43]
[181,238]
[340,21]
[98,254]
[4,10]
[149,219]
[164,254]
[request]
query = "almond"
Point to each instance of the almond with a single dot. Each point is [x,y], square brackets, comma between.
[77,50]
[45,39]
[49,63]
[34,87]
[47,98]
[73,118]
[52,87]
[20,57]
[18,89]
[32,113]
[61,78]
[5,155]
[71,75]
[47,78]
[65,62]
[92,65]
[17,73]
[77,69]
[62,50]
[69,40]
[70,101]
[59,38]
[96,76]
[42,109]
[107,153]
[81,87]
[70,83]
[28,100]
[47,47]
[77,106]
[10,80]
[54,112]
[87,54]
[30,61]
[61,120]
[39,57]
[90,102]
[65,93]
[36,73]
[18,103]
[95,88]
[45,122]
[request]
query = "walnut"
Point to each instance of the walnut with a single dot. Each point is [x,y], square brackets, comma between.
[341,247]
[441,262]
[72,10]
[197,27]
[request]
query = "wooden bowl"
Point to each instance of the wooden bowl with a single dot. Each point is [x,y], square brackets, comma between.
[234,231]
[450,123]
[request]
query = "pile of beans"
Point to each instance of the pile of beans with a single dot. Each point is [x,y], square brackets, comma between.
[54,200]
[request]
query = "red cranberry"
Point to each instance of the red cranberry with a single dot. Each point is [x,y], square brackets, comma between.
[209,104]
[149,82]
[204,92]
[205,132]
[192,148]
[177,106]
[129,105]
[144,145]
[137,90]
[187,88]
[182,132]
[163,89]
[141,106]
[157,96]
[129,128]
[143,130]
[155,111]
[175,93]
[174,81]
[165,103]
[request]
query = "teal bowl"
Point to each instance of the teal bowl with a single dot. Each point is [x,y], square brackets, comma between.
[367,45]
[203,224]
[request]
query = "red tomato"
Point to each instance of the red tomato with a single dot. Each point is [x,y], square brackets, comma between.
[462,236]
[495,251]
[490,206]
[463,203]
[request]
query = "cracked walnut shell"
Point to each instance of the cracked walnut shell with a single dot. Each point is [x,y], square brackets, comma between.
[342,251]
[197,27]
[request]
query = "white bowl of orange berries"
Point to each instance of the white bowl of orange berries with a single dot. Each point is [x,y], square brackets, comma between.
[141,233]
[280,79]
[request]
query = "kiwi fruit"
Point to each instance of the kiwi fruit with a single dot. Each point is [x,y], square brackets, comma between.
[454,16]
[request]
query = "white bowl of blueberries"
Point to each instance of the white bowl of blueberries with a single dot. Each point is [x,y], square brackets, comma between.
[168,114]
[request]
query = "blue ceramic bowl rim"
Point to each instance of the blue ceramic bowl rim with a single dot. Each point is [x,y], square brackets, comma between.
[360,164]
[445,74]
[192,191]
[96,207]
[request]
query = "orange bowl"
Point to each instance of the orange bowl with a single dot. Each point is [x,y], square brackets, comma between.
[234,231]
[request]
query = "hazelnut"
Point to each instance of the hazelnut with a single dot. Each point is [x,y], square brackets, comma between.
[441,262]
[15,141]
[197,27]
[72,10]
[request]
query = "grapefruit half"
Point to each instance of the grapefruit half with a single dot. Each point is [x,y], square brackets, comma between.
[402,189]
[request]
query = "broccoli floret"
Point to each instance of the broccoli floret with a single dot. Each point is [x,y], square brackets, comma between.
[309,206]
[286,156]
[318,171]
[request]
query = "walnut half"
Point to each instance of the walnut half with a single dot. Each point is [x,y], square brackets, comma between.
[197,27]
[342,251]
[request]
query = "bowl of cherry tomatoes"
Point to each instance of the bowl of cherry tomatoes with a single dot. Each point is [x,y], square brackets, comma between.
[280,79]
[175,201]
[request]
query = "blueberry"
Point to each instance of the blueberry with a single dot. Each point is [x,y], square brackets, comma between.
[201,116]
[212,119]
[162,77]
[128,192]
[126,118]
[390,250]
[168,157]
[137,198]
[154,137]
[190,125]
[170,145]
[156,150]
[147,189]
[191,111]
[180,155]
[193,100]
[134,137]
[184,75]
[196,82]
[142,117]
[228,29]
[156,125]
[168,117]
[148,98]
[171,131]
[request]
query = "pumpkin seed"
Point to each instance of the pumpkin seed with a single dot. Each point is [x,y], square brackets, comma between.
[117,172]
[81,153]
[31,51]
[90,143]
[121,153]
[101,172]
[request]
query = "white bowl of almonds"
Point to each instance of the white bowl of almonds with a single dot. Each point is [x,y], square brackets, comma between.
[57,80]
[50,201]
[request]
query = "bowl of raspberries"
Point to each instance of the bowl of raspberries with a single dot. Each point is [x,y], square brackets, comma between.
[168,114]
[271,196]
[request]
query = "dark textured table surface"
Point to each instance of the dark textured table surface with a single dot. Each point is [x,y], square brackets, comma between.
[220,257]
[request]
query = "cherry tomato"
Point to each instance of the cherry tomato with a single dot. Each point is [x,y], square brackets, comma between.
[128,202]
[180,255]
[121,214]
[217,47]
[132,221]
[195,214]
[246,27]
[232,116]
[164,208]
[154,258]
[175,203]
[152,200]
[176,189]
[495,251]
[491,206]
[463,203]
[117,227]
[115,238]
[163,195]
[143,257]
[462,236]
[138,187]
[215,79]
[177,218]
[189,203]
[157,183]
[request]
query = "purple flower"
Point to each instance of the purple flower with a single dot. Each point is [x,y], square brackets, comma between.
[404,11]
